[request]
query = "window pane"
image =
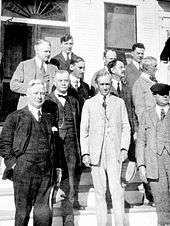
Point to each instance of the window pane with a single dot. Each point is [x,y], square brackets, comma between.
[36,9]
[120,26]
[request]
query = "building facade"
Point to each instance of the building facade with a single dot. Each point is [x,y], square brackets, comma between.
[94,24]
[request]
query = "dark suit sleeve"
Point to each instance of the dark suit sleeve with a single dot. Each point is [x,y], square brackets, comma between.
[7,137]
[55,62]
[165,54]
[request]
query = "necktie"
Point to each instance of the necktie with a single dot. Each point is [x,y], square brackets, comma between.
[104,102]
[39,115]
[42,69]
[162,114]
[118,88]
[153,78]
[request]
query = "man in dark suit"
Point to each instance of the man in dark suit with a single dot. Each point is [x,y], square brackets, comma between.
[153,150]
[133,69]
[35,68]
[121,89]
[62,60]
[26,148]
[82,92]
[65,110]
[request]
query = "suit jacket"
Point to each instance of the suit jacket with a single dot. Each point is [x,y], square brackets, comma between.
[16,133]
[132,74]
[92,128]
[142,96]
[24,73]
[147,145]
[51,105]
[61,63]
[81,94]
[125,94]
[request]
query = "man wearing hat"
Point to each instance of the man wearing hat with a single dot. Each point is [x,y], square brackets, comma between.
[153,150]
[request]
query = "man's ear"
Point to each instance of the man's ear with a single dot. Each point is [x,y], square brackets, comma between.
[71,67]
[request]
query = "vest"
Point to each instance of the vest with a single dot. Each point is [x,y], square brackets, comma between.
[38,148]
[66,121]
[163,134]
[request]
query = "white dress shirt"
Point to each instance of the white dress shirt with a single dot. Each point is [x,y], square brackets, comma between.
[159,108]
[39,64]
[65,55]
[61,99]
[136,64]
[34,111]
[115,84]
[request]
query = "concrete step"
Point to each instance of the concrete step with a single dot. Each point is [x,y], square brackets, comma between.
[137,216]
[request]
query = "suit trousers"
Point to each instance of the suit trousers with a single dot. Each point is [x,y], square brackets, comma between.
[108,169]
[31,189]
[68,162]
[161,189]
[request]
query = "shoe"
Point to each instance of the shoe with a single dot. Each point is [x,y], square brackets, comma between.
[151,204]
[77,206]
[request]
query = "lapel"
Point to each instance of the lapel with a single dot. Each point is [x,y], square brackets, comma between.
[62,59]
[48,126]
[153,116]
[98,105]
[55,99]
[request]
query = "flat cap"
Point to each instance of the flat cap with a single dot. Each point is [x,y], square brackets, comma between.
[160,88]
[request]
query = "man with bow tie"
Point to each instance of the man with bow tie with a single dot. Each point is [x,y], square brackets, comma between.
[65,110]
[26,142]
[36,68]
[105,138]
[153,150]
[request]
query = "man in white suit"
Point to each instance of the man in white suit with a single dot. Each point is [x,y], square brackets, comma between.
[105,138]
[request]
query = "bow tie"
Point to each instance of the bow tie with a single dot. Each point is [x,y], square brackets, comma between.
[63,96]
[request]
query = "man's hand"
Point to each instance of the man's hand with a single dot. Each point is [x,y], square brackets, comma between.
[86,160]
[142,174]
[123,155]
[13,166]
[135,136]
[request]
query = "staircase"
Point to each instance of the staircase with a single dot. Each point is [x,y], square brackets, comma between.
[139,215]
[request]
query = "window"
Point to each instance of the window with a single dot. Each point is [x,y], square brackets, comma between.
[36,9]
[120,27]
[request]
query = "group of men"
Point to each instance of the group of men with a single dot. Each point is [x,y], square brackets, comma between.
[61,122]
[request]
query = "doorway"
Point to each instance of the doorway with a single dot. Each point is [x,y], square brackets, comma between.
[17,45]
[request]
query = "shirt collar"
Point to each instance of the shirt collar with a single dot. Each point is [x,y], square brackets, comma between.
[65,55]
[56,92]
[146,76]
[136,64]
[39,63]
[34,110]
[101,96]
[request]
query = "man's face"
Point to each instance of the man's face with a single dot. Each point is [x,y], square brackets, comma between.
[36,95]
[119,69]
[75,82]
[104,85]
[152,68]
[67,46]
[138,54]
[80,68]
[162,100]
[62,82]
[110,55]
[43,51]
